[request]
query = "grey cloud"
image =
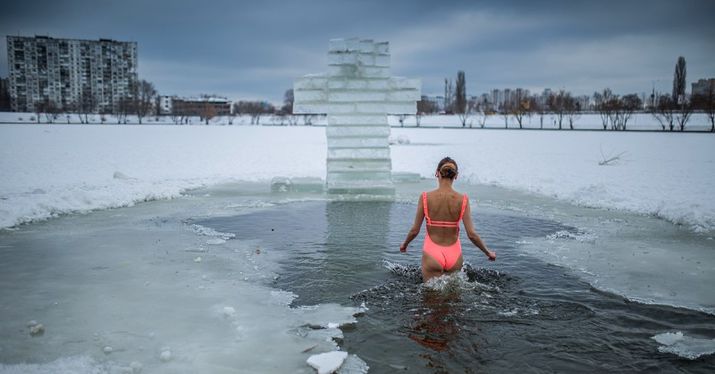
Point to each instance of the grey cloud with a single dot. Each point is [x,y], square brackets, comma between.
[245,49]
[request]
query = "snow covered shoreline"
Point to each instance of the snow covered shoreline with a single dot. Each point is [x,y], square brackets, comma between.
[642,121]
[48,170]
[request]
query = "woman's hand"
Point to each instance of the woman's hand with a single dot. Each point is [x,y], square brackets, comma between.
[403,247]
[492,255]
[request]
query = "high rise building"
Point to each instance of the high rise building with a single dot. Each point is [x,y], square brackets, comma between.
[4,95]
[703,87]
[94,74]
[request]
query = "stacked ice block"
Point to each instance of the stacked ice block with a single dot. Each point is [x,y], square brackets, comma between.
[357,94]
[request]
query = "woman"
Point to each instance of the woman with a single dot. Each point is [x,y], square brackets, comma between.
[444,208]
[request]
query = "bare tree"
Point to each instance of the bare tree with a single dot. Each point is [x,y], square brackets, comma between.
[604,105]
[557,106]
[572,109]
[125,106]
[253,108]
[85,105]
[207,109]
[424,106]
[485,110]
[518,106]
[679,81]
[682,116]
[143,93]
[541,109]
[506,113]
[465,118]
[664,112]
[48,108]
[39,109]
[629,104]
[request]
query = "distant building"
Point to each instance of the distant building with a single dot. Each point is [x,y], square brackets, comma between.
[217,106]
[164,105]
[437,102]
[4,94]
[70,72]
[703,86]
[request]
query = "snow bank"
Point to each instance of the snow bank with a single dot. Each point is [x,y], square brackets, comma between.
[49,170]
[666,175]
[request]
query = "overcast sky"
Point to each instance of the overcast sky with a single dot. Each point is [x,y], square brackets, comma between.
[255,49]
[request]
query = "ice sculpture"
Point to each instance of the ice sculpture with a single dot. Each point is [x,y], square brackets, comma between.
[357,94]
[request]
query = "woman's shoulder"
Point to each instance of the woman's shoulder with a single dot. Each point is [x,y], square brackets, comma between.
[454,194]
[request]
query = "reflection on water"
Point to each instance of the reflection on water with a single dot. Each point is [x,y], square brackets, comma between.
[434,325]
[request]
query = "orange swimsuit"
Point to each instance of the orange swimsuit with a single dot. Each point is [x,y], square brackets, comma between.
[447,256]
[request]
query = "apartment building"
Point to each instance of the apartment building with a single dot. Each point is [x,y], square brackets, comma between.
[95,74]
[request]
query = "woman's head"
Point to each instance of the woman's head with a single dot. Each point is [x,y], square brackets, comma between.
[447,168]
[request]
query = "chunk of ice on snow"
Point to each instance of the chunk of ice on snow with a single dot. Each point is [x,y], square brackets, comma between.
[684,346]
[165,355]
[122,176]
[37,329]
[229,311]
[327,362]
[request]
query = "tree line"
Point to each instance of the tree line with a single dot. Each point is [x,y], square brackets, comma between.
[139,102]
[671,111]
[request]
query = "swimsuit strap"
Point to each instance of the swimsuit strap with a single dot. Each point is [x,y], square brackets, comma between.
[464,206]
[424,205]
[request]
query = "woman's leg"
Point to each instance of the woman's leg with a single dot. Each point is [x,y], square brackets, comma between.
[430,267]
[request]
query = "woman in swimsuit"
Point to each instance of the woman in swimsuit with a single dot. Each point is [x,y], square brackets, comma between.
[444,208]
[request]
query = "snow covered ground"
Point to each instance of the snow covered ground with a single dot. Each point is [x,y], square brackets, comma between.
[48,170]
[54,169]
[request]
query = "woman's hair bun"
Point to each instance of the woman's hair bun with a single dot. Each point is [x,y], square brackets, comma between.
[448,169]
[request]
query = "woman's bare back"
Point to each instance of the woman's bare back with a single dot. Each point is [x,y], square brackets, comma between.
[444,206]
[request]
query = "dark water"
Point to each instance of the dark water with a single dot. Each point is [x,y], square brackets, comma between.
[517,314]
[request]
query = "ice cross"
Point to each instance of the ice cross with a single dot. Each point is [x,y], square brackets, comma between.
[357,94]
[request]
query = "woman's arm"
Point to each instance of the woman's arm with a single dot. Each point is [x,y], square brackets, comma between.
[472,233]
[415,229]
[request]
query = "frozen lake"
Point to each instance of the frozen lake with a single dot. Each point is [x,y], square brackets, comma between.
[600,267]
[233,278]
